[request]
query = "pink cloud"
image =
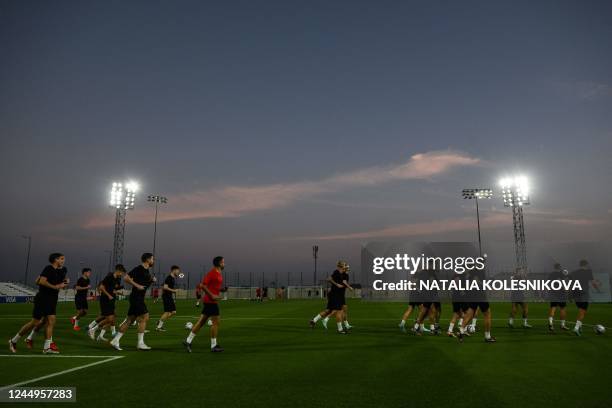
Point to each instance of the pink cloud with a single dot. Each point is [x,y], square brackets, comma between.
[235,201]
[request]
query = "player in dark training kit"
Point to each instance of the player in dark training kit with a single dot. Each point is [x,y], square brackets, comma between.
[168,297]
[51,280]
[80,297]
[109,287]
[558,299]
[140,278]
[211,286]
[584,275]
[335,299]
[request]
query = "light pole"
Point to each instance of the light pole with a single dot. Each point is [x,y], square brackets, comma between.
[27,265]
[157,199]
[477,193]
[315,255]
[122,199]
[515,193]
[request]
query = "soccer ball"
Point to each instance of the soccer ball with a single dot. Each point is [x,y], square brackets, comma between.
[600,329]
[471,329]
[189,325]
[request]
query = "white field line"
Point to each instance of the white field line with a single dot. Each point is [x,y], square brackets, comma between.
[106,359]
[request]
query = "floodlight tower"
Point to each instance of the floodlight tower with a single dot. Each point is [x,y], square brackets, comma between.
[515,193]
[157,199]
[122,199]
[477,193]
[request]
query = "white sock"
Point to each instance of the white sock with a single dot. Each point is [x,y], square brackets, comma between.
[16,338]
[76,322]
[460,322]
[140,338]
[451,326]
[316,318]
[190,337]
[403,323]
[346,324]
[578,325]
[474,322]
[487,335]
[326,320]
[550,320]
[510,321]
[340,327]
[32,334]
[160,324]
[431,327]
[113,330]
[562,323]
[416,326]
[92,325]
[525,322]
[102,332]
[213,342]
[47,344]
[118,337]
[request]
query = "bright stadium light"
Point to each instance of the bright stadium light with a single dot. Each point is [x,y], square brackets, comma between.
[515,191]
[515,194]
[122,198]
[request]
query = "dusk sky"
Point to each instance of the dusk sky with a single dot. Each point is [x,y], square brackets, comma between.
[275,125]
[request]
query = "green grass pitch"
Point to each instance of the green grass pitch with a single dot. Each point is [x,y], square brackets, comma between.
[273,358]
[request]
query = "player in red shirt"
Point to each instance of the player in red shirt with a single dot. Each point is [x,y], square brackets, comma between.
[211,286]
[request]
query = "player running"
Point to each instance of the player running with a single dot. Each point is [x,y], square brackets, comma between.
[80,297]
[51,280]
[140,278]
[109,287]
[211,286]
[345,279]
[168,297]
[518,300]
[477,301]
[335,299]
[584,275]
[558,299]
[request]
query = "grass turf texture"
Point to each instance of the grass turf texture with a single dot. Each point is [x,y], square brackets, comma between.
[273,358]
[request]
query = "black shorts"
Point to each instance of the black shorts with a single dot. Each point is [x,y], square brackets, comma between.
[169,305]
[137,307]
[414,304]
[558,304]
[210,309]
[198,296]
[107,307]
[334,303]
[81,303]
[483,306]
[582,305]
[427,305]
[459,307]
[44,306]
[438,306]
